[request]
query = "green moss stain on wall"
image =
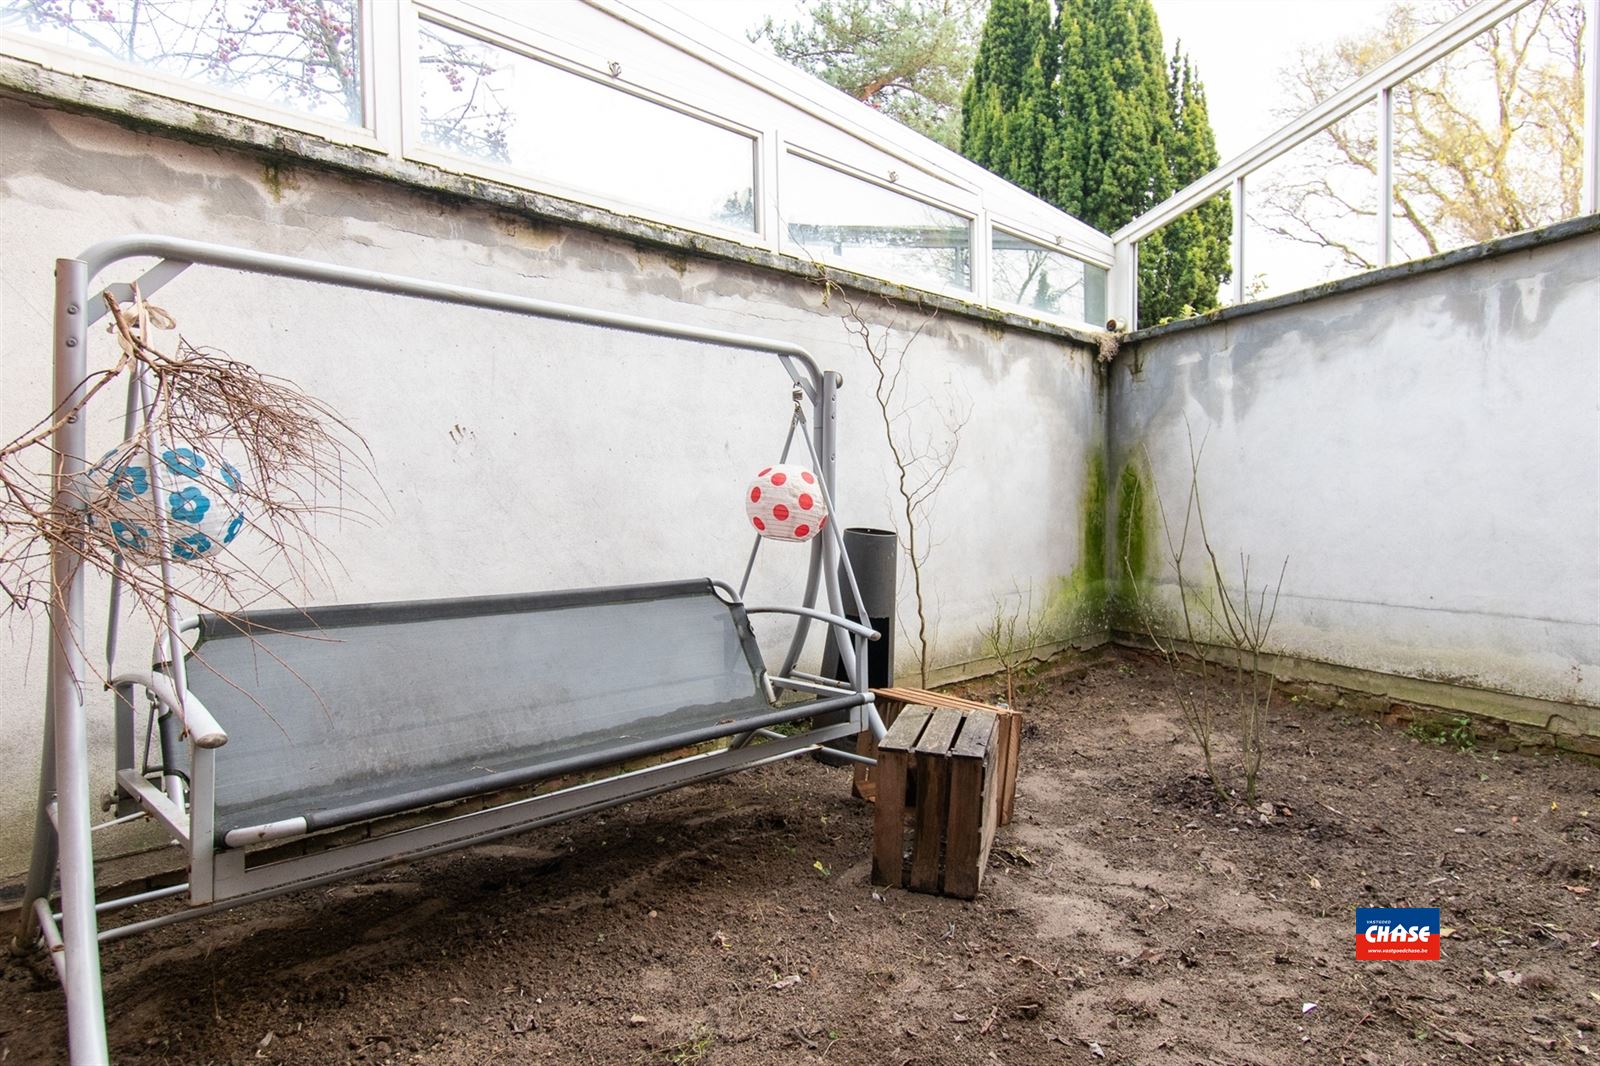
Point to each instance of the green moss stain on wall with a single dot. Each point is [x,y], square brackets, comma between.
[1093,518]
[1133,556]
[277,178]
[1076,605]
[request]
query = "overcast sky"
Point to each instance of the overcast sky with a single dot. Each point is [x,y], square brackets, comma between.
[1239,46]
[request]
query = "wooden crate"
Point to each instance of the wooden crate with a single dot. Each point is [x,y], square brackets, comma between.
[945,760]
[891,701]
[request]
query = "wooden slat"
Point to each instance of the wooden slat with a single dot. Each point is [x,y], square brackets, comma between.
[865,783]
[932,699]
[907,730]
[977,731]
[940,732]
[963,828]
[993,795]
[1006,762]
[888,820]
[933,798]
[895,760]
[971,777]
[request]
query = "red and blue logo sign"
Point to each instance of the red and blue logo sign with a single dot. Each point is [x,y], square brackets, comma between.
[1384,933]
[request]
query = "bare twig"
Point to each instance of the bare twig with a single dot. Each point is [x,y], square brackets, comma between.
[299,457]
[1011,636]
[1212,611]
[923,459]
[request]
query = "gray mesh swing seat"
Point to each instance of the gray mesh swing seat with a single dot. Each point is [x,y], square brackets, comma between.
[300,747]
[345,714]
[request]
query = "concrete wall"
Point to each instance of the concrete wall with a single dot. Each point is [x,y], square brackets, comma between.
[1424,451]
[519,455]
[1422,445]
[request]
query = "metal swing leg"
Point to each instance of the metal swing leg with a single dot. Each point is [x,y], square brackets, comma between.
[42,865]
[62,833]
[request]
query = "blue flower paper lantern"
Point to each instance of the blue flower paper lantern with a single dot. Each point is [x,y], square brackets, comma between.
[198,497]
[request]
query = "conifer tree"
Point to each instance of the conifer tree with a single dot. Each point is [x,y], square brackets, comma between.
[1122,129]
[1182,266]
[1008,114]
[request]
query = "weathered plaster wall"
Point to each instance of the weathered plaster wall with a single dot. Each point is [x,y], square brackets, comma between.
[1426,454]
[520,455]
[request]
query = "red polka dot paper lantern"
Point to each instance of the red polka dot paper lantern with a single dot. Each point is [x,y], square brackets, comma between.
[784,502]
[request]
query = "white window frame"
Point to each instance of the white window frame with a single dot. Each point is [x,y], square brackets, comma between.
[812,126]
[1022,233]
[417,150]
[86,64]
[972,215]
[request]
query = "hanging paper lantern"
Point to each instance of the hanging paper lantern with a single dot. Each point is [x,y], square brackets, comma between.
[199,497]
[785,502]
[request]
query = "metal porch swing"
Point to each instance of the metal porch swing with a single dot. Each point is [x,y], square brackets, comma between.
[417,685]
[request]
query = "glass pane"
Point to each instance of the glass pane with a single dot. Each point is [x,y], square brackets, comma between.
[1311,215]
[1032,275]
[1488,140]
[489,103]
[1186,266]
[300,54]
[835,218]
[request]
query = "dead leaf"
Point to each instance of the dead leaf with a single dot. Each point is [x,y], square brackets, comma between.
[959,1018]
[1148,955]
[1447,931]
[785,982]
[1578,890]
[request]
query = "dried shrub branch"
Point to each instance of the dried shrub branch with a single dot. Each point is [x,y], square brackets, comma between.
[1011,636]
[300,458]
[1212,613]
[923,458]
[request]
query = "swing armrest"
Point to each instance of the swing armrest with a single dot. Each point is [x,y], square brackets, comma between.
[822,616]
[197,721]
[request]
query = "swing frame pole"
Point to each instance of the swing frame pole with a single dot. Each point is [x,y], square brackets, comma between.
[64,777]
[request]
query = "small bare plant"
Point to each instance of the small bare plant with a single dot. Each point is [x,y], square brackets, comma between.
[1211,612]
[1010,637]
[299,452]
[923,458]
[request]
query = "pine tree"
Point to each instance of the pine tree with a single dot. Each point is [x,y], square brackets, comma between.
[1117,129]
[1114,111]
[1180,274]
[908,58]
[1007,111]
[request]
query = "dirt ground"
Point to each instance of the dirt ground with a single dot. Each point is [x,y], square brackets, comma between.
[1123,919]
